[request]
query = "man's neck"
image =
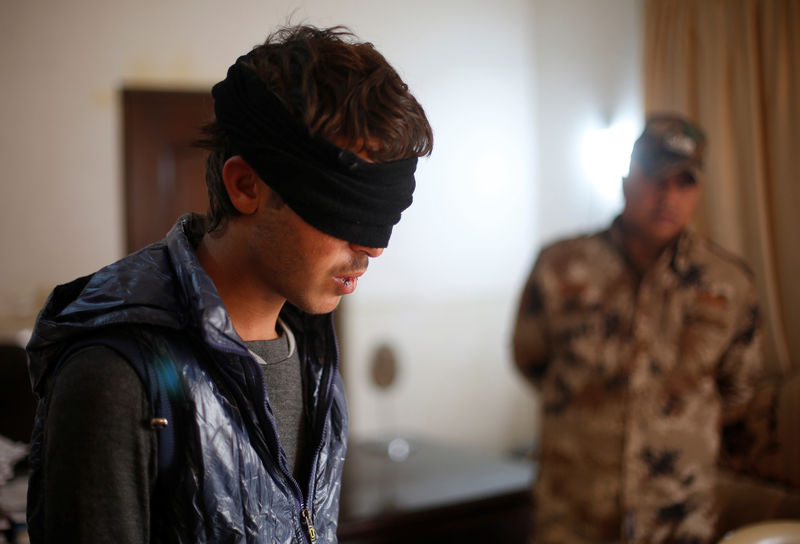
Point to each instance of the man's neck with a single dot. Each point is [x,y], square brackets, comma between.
[642,252]
[254,314]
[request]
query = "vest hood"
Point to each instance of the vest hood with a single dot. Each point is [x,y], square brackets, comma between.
[148,287]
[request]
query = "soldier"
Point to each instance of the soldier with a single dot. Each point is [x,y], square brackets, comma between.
[642,340]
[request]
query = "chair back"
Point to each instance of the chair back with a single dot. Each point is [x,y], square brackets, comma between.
[17,401]
[765,532]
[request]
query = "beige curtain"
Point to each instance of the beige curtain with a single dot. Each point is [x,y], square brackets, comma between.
[734,67]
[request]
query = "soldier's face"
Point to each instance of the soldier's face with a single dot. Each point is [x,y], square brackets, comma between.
[659,208]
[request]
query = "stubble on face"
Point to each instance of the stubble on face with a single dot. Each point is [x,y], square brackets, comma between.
[658,210]
[300,263]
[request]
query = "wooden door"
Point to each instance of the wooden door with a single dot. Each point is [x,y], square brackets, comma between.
[164,173]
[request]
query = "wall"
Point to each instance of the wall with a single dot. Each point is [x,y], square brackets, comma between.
[588,69]
[445,294]
[507,86]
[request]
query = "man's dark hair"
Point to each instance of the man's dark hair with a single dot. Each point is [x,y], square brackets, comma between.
[340,89]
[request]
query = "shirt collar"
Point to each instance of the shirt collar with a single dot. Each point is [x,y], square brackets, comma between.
[676,254]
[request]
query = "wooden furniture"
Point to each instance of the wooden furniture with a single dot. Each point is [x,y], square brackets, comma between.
[439,493]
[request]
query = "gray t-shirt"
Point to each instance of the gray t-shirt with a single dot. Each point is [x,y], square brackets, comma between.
[100,453]
[284,380]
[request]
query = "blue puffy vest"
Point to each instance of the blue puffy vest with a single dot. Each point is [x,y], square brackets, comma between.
[229,480]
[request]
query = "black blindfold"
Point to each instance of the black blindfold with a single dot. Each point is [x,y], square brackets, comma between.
[331,188]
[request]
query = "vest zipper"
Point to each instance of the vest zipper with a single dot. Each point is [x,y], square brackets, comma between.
[302,502]
[328,374]
[312,534]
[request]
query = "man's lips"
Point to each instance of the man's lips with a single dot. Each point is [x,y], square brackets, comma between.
[348,281]
[350,277]
[666,216]
[350,273]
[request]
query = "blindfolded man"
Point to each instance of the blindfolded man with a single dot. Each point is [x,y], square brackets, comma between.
[190,391]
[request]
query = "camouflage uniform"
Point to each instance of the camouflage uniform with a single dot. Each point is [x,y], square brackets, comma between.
[637,374]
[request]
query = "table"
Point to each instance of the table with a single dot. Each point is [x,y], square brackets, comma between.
[439,493]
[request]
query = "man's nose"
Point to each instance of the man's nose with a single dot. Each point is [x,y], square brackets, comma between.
[369,251]
[668,188]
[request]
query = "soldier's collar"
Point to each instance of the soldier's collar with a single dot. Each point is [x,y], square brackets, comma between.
[676,253]
[681,261]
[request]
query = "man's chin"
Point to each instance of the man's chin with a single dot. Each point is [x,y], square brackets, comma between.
[663,236]
[318,307]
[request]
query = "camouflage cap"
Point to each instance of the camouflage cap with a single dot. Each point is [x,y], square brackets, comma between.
[669,143]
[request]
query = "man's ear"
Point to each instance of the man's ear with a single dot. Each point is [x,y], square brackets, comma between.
[242,183]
